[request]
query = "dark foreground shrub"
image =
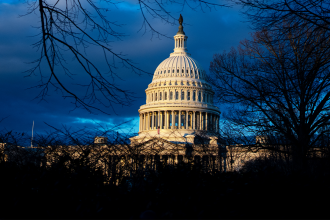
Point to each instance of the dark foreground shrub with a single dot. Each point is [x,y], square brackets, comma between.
[172,192]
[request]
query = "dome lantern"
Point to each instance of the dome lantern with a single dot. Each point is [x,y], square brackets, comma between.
[180,41]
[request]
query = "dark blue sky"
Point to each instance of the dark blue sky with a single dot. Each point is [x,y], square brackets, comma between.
[208,32]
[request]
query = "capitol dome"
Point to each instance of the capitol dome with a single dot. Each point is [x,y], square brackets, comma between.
[179,66]
[179,98]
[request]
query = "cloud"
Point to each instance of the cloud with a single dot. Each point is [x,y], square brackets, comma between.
[208,33]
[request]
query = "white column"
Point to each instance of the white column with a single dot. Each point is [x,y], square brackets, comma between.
[158,123]
[173,120]
[179,121]
[206,121]
[193,121]
[152,120]
[165,119]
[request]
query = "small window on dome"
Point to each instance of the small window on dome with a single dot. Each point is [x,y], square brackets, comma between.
[187,71]
[160,72]
[177,70]
[173,71]
[182,70]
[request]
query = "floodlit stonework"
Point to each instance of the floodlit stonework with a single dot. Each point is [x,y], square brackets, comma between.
[179,100]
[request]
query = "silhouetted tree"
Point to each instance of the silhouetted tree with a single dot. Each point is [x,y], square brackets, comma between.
[280,83]
[268,14]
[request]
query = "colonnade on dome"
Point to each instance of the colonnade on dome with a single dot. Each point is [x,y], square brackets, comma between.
[179,94]
[179,119]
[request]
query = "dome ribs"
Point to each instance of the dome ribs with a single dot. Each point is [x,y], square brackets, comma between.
[179,66]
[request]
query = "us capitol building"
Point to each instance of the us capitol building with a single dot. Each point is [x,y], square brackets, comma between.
[178,123]
[179,100]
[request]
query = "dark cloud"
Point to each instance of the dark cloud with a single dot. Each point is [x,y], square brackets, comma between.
[208,33]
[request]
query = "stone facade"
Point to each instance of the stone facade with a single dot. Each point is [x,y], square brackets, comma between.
[111,159]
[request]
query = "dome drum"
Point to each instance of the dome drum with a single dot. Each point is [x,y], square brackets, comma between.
[180,119]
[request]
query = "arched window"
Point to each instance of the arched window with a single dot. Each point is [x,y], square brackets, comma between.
[176,95]
[204,97]
[188,95]
[160,96]
[182,95]
[155,96]
[199,96]
[152,97]
[171,95]
[165,97]
[194,95]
